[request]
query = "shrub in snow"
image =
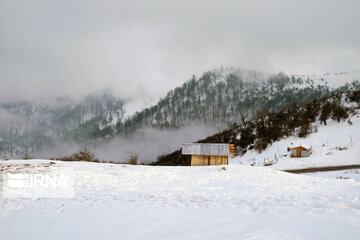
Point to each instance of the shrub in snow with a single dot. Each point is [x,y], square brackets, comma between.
[260,144]
[325,112]
[333,110]
[304,130]
[339,113]
[84,155]
[133,159]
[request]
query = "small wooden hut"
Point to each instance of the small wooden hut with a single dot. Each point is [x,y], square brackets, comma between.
[207,153]
[300,150]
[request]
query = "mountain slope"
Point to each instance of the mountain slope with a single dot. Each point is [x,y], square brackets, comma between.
[221,97]
[335,144]
[27,127]
[217,98]
[268,128]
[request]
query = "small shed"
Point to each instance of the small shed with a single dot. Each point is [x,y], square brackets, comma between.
[207,153]
[300,150]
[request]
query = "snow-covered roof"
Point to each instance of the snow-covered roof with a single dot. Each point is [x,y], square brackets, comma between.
[214,149]
[301,145]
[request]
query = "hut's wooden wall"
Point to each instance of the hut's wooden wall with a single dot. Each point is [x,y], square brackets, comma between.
[300,152]
[201,160]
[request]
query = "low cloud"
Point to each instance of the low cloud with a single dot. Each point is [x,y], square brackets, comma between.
[149,143]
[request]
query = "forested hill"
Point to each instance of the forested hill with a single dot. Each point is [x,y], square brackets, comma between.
[217,98]
[220,97]
[29,126]
[267,127]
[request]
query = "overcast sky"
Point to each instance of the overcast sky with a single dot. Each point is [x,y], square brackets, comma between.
[142,49]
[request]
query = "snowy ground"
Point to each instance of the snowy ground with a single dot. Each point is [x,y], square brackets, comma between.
[343,174]
[145,202]
[332,145]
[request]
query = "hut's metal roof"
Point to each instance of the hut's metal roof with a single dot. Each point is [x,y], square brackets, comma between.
[213,149]
[296,145]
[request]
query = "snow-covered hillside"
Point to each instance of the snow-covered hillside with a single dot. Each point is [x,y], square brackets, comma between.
[210,202]
[332,145]
[333,80]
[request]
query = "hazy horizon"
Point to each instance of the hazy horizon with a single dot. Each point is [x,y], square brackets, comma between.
[141,50]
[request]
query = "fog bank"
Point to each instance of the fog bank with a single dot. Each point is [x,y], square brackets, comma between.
[149,143]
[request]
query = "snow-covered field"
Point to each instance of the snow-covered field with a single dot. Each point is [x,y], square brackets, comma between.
[144,202]
[343,174]
[332,145]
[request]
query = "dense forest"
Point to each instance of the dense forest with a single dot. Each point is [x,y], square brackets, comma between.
[26,127]
[219,99]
